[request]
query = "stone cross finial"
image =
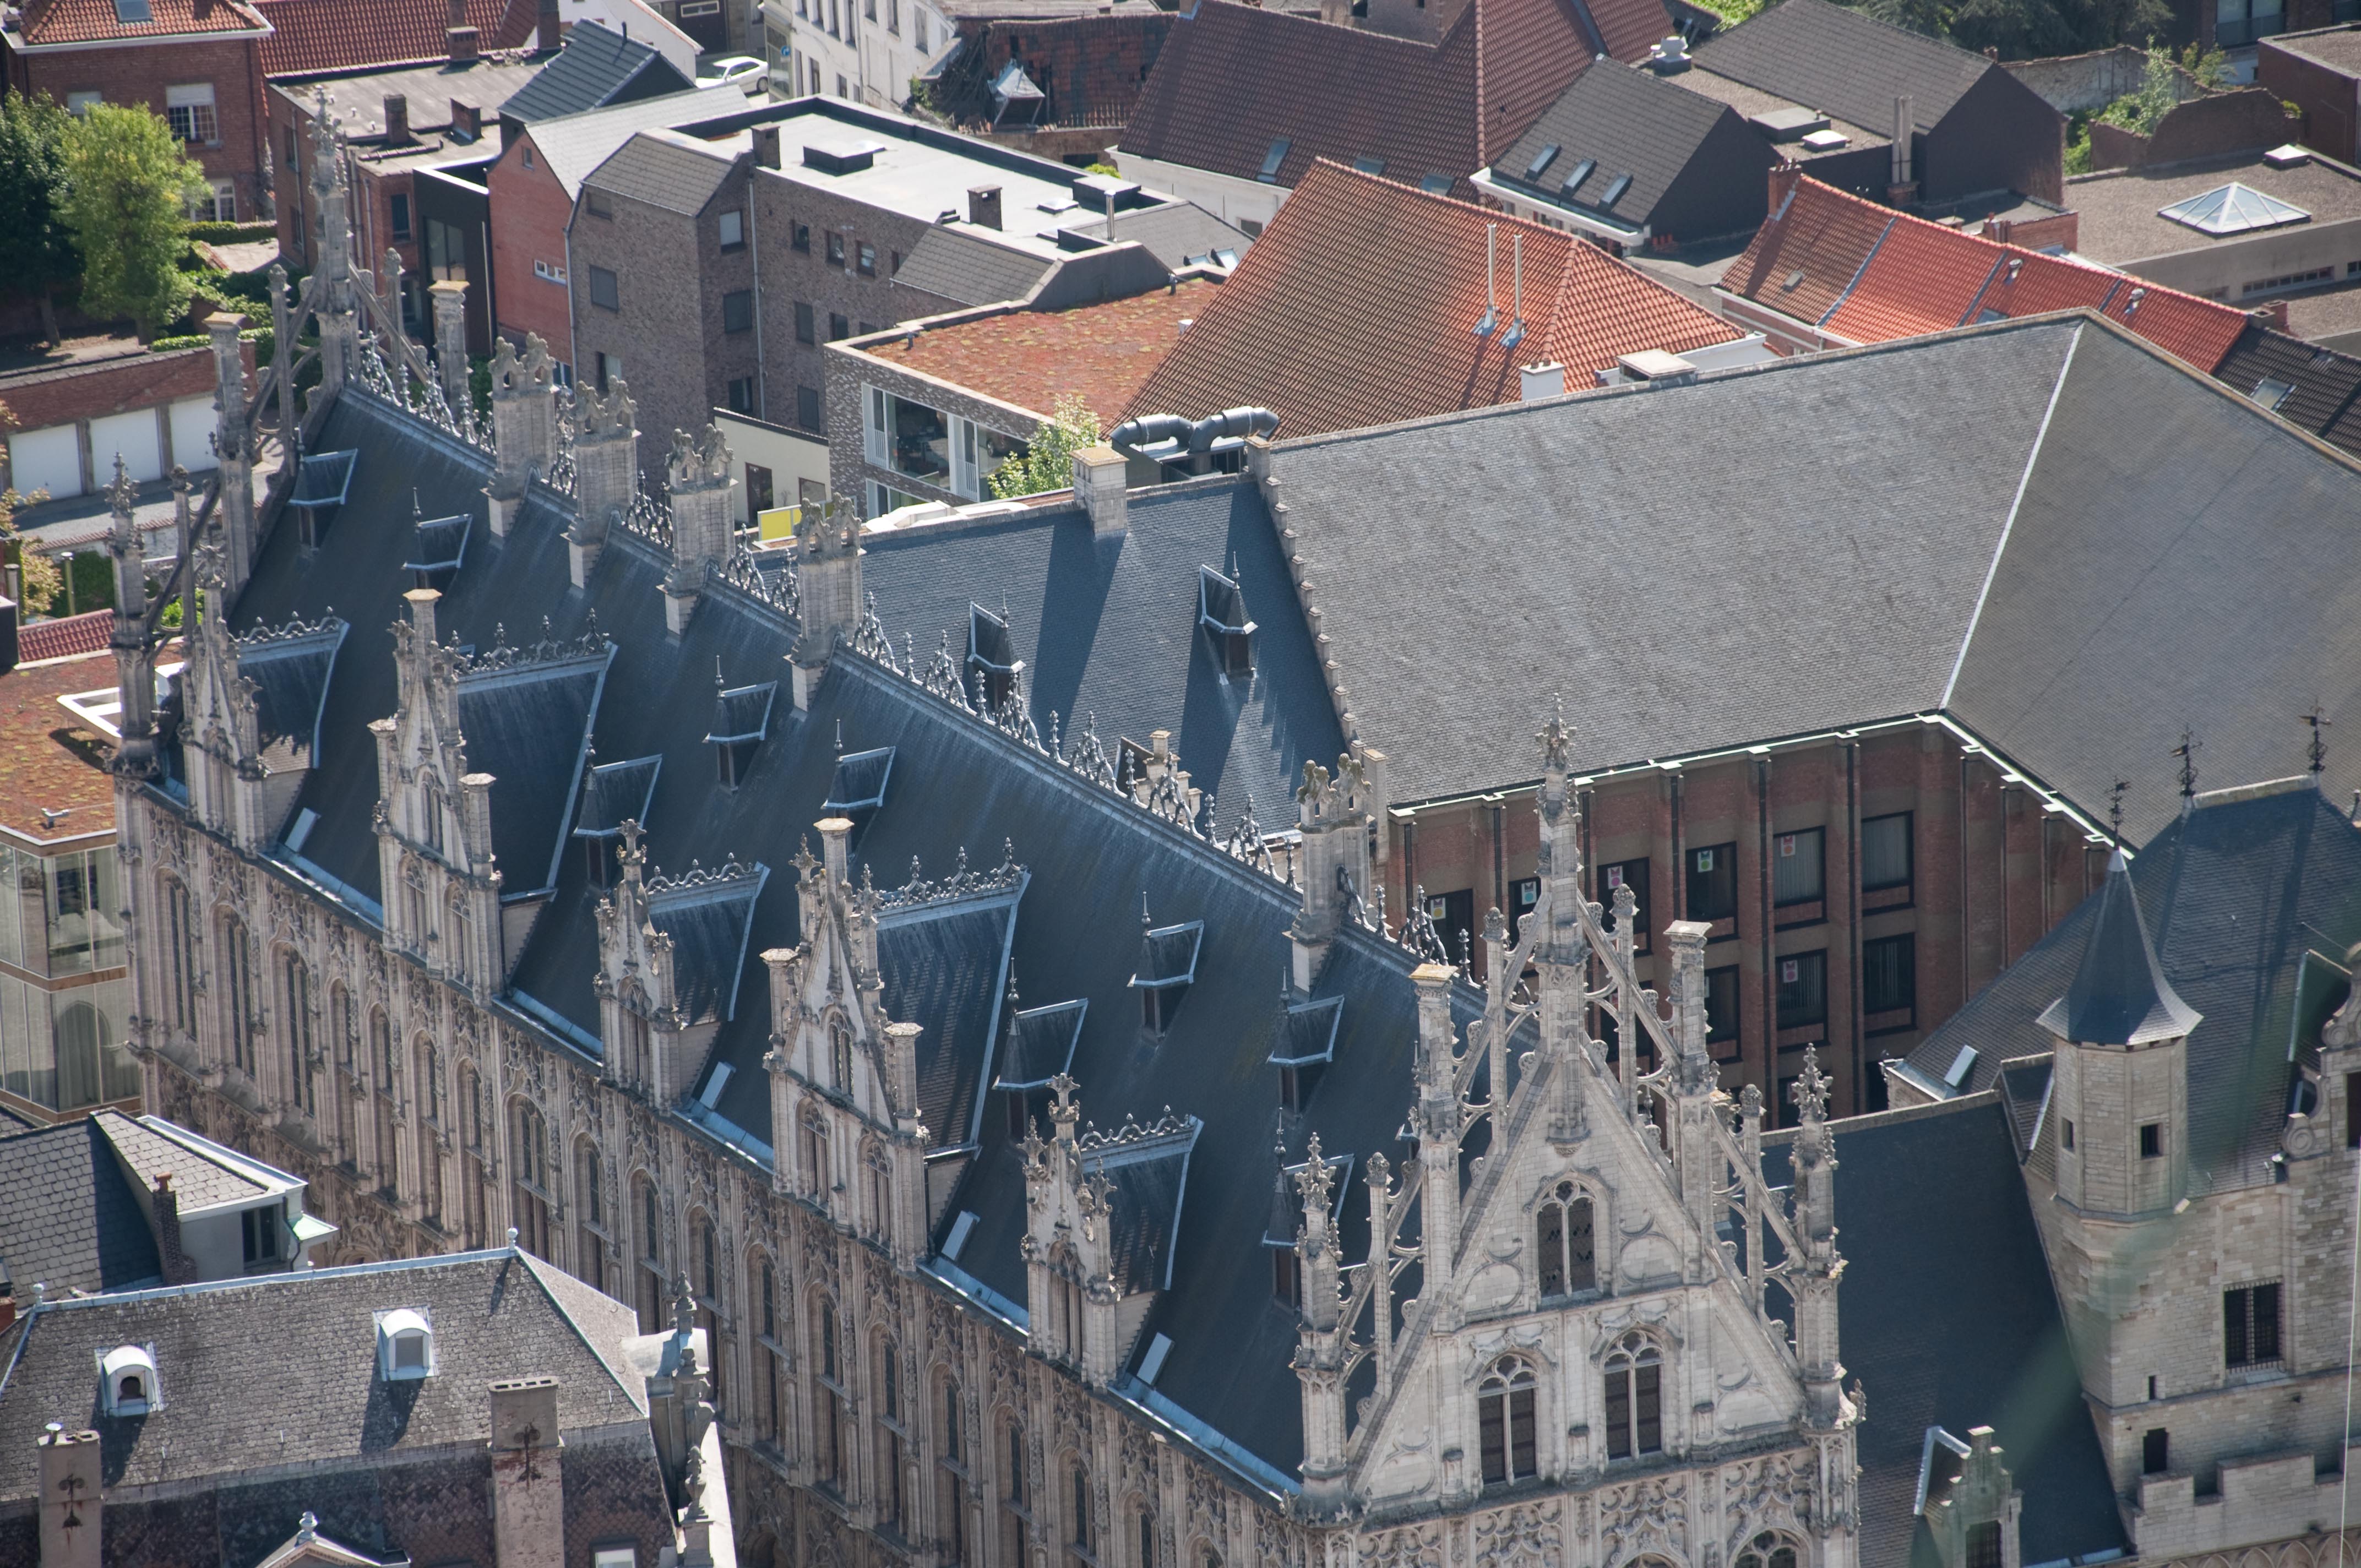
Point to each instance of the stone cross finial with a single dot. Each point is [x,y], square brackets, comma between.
[1557,742]
[1811,1091]
[628,853]
[1314,1181]
[684,1305]
[119,496]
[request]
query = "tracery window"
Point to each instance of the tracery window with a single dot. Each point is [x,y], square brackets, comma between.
[767,1349]
[829,1399]
[951,1486]
[652,1293]
[529,1161]
[1504,1408]
[840,1055]
[1635,1418]
[1566,1248]
[429,1123]
[181,972]
[889,1439]
[590,1207]
[237,993]
[381,1058]
[301,1094]
[344,1028]
[1769,1549]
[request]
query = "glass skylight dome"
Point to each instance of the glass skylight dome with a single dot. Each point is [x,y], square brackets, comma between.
[2232,209]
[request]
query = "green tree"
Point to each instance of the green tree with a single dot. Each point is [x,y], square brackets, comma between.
[37,253]
[1049,463]
[130,187]
[41,582]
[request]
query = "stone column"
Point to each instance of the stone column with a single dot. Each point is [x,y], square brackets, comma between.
[528,1500]
[449,303]
[233,448]
[135,661]
[698,474]
[827,576]
[524,425]
[606,473]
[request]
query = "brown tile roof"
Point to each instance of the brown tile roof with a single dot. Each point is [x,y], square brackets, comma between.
[1870,274]
[1092,68]
[1032,358]
[1232,80]
[333,34]
[49,757]
[91,21]
[1357,307]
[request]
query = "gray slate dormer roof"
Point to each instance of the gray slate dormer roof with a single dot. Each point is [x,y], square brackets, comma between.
[2119,996]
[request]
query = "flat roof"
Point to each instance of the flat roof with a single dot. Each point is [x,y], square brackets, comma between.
[1031,359]
[51,757]
[915,178]
[2338,48]
[2119,222]
[1752,101]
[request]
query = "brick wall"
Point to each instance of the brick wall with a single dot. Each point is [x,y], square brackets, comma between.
[2328,98]
[533,210]
[848,372]
[139,74]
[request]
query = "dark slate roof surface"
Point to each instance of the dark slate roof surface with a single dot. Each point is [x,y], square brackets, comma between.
[1632,121]
[2118,997]
[677,174]
[529,728]
[290,681]
[1174,232]
[970,269]
[596,67]
[494,1315]
[2235,894]
[71,1220]
[1948,1318]
[150,1149]
[944,970]
[1844,62]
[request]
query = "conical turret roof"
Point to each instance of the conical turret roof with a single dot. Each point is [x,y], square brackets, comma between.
[2119,996]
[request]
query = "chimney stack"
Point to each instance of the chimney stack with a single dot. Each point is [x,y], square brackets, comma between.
[1099,482]
[1901,189]
[467,119]
[528,1500]
[397,120]
[1546,380]
[548,31]
[70,1498]
[166,1205]
[457,15]
[463,46]
[983,206]
[767,146]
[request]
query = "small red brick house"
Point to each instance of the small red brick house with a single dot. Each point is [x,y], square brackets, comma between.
[196,62]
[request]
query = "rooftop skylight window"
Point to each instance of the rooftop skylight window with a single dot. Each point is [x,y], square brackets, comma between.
[1615,188]
[2232,209]
[1542,161]
[1369,165]
[1272,159]
[1576,175]
[2271,392]
[130,12]
[1437,184]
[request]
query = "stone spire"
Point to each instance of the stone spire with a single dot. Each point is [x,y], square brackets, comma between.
[1812,1276]
[135,659]
[525,426]
[696,476]
[1323,1348]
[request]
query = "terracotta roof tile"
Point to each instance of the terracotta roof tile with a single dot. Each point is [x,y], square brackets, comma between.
[1357,307]
[333,34]
[1921,279]
[89,21]
[1234,79]
[1032,358]
[65,636]
[48,756]
[1913,277]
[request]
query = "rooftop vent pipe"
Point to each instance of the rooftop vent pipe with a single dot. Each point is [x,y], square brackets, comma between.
[1175,441]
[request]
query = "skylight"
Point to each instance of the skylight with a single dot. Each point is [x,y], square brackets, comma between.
[1437,184]
[1542,161]
[1272,159]
[1371,165]
[128,11]
[1582,171]
[2271,393]
[2232,209]
[1615,188]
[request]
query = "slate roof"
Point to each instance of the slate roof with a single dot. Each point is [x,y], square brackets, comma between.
[72,1221]
[666,170]
[2235,894]
[2075,627]
[1948,1318]
[336,34]
[1233,79]
[2324,386]
[1844,62]
[49,22]
[494,1315]
[2118,996]
[571,146]
[1869,274]
[1631,121]
[1176,232]
[201,1177]
[971,266]
[1100,353]
[1357,307]
[593,68]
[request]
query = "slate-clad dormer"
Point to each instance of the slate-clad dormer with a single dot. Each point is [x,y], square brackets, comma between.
[670,951]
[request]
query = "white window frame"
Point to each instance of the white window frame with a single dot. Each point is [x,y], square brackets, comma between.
[81,104]
[189,109]
[963,475]
[391,1324]
[872,424]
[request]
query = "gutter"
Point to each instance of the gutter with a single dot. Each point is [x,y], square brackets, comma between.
[241,35]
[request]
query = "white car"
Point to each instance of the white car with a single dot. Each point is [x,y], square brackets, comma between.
[745,69]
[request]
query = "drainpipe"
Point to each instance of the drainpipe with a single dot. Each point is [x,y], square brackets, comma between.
[1770,940]
[761,367]
[1860,1067]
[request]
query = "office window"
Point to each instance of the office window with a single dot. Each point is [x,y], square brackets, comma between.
[838,326]
[1721,1003]
[1798,866]
[1803,990]
[868,259]
[398,207]
[2250,1325]
[1889,973]
[807,329]
[733,229]
[836,251]
[738,310]
[807,408]
[224,195]
[603,292]
[2151,1135]
[799,237]
[79,103]
[2238,22]
[740,395]
[189,111]
[1885,851]
[1713,883]
[759,489]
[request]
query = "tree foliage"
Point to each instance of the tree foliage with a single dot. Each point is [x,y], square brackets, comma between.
[2024,30]
[40,573]
[130,187]
[1049,463]
[36,251]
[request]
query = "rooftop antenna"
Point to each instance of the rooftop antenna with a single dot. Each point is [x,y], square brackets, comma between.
[2317,751]
[2115,810]
[1516,332]
[1491,281]
[2186,751]
[839,735]
[718,682]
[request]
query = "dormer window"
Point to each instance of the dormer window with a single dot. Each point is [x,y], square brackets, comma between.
[856,789]
[1306,1045]
[437,546]
[1222,612]
[1168,966]
[128,1384]
[405,1345]
[992,666]
[742,717]
[615,792]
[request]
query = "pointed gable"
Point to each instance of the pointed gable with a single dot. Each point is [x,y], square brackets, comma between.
[2119,996]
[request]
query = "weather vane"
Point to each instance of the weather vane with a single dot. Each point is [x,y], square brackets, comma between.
[2186,751]
[2317,751]
[2115,793]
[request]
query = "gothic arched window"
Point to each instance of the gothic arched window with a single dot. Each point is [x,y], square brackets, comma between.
[828,1397]
[1078,1482]
[950,1485]
[381,1061]
[840,1055]
[1504,1409]
[890,1432]
[1769,1549]
[344,1029]
[238,996]
[590,1210]
[529,1165]
[430,805]
[651,1270]
[181,939]
[429,1108]
[301,1093]
[1564,1244]
[1635,1397]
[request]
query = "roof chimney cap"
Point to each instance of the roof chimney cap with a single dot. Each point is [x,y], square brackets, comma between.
[463,42]
[1546,380]
[1669,56]
[1657,367]
[396,119]
[983,206]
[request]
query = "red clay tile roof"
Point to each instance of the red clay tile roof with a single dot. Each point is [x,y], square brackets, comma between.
[1032,358]
[49,757]
[1872,275]
[333,34]
[1232,80]
[1357,307]
[65,636]
[89,21]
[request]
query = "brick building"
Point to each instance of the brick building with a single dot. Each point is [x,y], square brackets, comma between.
[1059,76]
[799,224]
[196,62]
[72,421]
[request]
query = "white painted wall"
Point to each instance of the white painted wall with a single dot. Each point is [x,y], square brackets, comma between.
[1233,201]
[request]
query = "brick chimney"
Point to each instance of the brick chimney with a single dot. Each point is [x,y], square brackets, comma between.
[983,206]
[70,1498]
[2273,315]
[548,31]
[463,46]
[528,1501]
[457,15]
[767,146]
[165,1205]
[467,119]
[1783,184]
[397,120]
